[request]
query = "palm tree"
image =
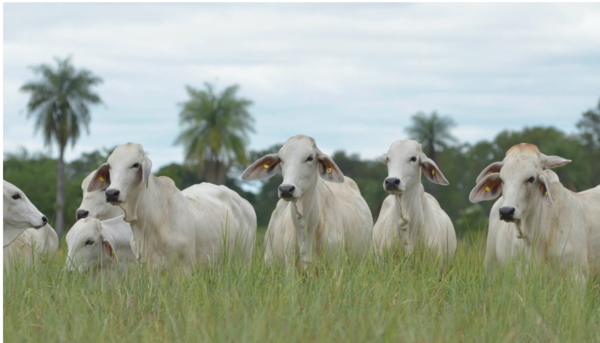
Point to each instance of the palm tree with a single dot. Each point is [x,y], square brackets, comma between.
[433,132]
[59,101]
[215,130]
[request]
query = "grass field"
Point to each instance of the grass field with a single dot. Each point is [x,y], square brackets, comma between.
[404,300]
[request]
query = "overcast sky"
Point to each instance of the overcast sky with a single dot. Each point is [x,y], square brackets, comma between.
[349,75]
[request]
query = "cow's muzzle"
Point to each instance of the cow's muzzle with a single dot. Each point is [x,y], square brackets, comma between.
[80,214]
[112,195]
[392,184]
[507,214]
[286,191]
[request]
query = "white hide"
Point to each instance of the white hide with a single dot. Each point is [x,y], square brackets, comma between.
[554,222]
[173,227]
[19,213]
[95,244]
[32,243]
[503,241]
[409,217]
[94,203]
[325,211]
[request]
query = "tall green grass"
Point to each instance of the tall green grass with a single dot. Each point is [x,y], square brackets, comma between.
[400,300]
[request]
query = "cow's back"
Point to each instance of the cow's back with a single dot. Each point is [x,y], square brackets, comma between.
[345,216]
[223,211]
[30,244]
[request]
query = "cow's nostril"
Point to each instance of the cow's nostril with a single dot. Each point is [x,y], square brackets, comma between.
[44,220]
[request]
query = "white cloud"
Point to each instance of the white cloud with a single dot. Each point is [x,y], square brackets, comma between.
[351,75]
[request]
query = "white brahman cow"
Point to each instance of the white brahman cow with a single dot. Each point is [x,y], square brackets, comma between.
[19,213]
[318,206]
[95,244]
[173,227]
[503,240]
[26,230]
[409,217]
[94,203]
[554,222]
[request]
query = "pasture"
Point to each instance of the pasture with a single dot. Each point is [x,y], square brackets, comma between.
[401,300]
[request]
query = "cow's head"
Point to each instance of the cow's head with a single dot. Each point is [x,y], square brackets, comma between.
[88,247]
[124,176]
[405,161]
[19,213]
[301,163]
[521,179]
[94,203]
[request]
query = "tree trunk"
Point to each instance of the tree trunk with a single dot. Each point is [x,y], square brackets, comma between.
[60,194]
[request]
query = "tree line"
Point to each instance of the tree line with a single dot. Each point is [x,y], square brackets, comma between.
[215,135]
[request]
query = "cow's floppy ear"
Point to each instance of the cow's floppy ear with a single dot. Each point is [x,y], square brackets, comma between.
[383,158]
[488,188]
[545,189]
[263,168]
[109,248]
[146,170]
[493,168]
[552,161]
[327,169]
[432,172]
[101,179]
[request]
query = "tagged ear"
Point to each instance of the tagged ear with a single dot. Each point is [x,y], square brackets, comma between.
[146,170]
[545,189]
[264,168]
[488,188]
[552,161]
[327,169]
[101,179]
[383,159]
[493,168]
[432,172]
[109,249]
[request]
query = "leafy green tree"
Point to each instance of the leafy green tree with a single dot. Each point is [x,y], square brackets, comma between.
[433,132]
[59,101]
[215,130]
[589,129]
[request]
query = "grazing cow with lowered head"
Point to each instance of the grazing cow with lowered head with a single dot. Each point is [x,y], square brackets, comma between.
[409,217]
[318,209]
[173,227]
[95,244]
[19,213]
[553,221]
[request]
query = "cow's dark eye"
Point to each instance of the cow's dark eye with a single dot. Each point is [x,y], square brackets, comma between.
[310,158]
[135,165]
[89,242]
[413,159]
[531,179]
[16,196]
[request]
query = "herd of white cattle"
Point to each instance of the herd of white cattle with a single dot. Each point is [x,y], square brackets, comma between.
[129,216]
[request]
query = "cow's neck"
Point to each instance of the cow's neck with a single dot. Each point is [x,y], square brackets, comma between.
[531,226]
[149,210]
[303,208]
[410,209]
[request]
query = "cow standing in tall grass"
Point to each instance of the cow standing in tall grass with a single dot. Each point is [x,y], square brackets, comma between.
[409,216]
[554,223]
[319,208]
